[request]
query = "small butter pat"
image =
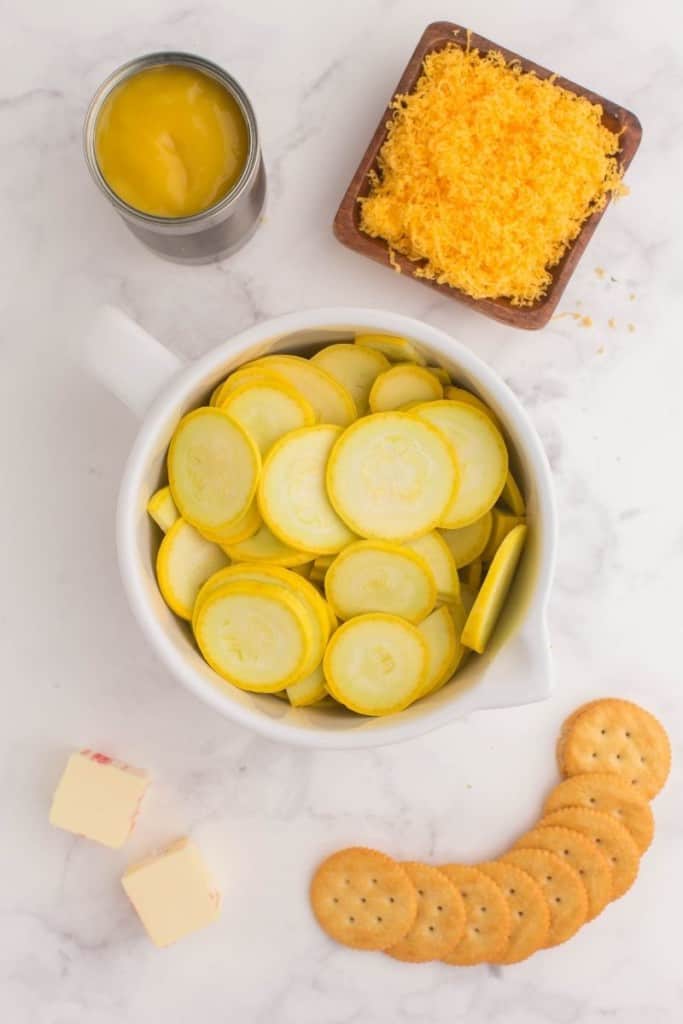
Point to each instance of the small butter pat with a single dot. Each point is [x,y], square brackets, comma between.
[172,892]
[98,797]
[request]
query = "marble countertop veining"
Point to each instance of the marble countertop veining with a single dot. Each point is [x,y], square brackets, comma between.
[76,669]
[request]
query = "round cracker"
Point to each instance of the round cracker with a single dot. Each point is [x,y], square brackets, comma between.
[612,838]
[618,736]
[609,793]
[529,913]
[488,920]
[440,920]
[564,891]
[363,899]
[590,864]
[566,726]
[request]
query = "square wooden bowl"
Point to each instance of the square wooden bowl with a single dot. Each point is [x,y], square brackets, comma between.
[347,220]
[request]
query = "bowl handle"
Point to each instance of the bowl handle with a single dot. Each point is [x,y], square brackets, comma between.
[127,360]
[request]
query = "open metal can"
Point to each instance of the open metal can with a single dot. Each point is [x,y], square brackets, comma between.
[221,229]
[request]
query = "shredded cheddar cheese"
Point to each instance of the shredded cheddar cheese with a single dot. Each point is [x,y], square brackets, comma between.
[487,174]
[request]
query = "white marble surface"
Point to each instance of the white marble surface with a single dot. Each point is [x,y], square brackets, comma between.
[607,403]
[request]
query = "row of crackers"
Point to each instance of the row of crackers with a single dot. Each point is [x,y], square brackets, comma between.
[583,853]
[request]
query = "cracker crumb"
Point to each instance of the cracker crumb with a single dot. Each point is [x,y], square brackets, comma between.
[631,328]
[601,350]
[632,297]
[586,321]
[611,322]
[600,272]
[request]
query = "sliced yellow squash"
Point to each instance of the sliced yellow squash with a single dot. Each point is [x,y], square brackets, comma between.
[324,561]
[392,476]
[482,457]
[213,469]
[511,496]
[395,348]
[162,509]
[244,528]
[374,576]
[216,392]
[245,375]
[455,394]
[255,635]
[184,562]
[268,411]
[403,384]
[309,690]
[355,367]
[264,546]
[443,648]
[433,548]
[331,402]
[489,601]
[503,522]
[313,605]
[376,664]
[292,494]
[468,542]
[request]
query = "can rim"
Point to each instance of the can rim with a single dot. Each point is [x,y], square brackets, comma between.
[159,59]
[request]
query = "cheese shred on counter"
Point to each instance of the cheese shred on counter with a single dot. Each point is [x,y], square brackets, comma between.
[487,175]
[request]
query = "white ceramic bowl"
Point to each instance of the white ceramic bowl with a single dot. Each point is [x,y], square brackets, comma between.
[517,667]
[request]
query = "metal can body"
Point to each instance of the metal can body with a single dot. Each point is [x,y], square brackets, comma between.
[224,227]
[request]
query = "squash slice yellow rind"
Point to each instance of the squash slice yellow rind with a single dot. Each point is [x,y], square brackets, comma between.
[375,576]
[389,478]
[213,469]
[292,494]
[395,348]
[255,635]
[185,561]
[376,664]
[355,367]
[268,411]
[468,542]
[162,509]
[488,603]
[403,384]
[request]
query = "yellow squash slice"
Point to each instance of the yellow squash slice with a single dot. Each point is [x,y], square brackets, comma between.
[374,576]
[433,548]
[268,412]
[215,393]
[264,546]
[403,384]
[162,509]
[213,469]
[331,402]
[481,454]
[255,635]
[441,375]
[245,375]
[313,605]
[292,494]
[184,562]
[443,648]
[455,394]
[244,528]
[396,349]
[355,367]
[468,542]
[376,664]
[392,476]
[511,496]
[503,522]
[489,601]
[309,690]
[472,574]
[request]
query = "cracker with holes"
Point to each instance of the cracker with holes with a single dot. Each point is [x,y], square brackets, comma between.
[609,793]
[612,838]
[363,899]
[564,891]
[529,913]
[591,865]
[440,920]
[617,736]
[488,920]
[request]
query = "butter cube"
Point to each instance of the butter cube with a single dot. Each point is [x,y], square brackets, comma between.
[98,797]
[172,892]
